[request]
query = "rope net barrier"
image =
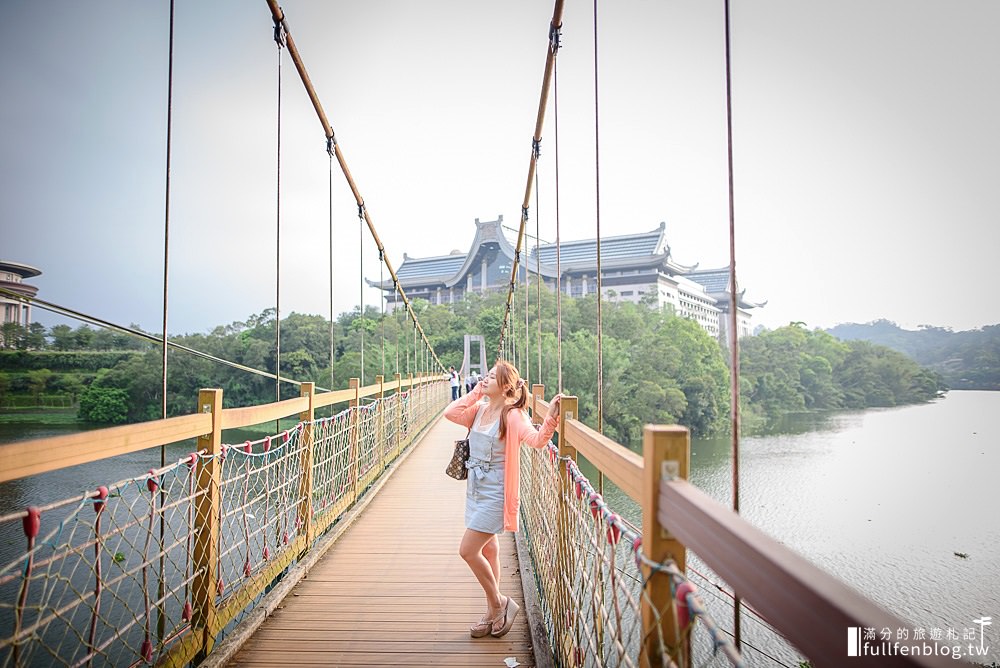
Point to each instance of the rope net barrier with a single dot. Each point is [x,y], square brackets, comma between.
[592,577]
[87,580]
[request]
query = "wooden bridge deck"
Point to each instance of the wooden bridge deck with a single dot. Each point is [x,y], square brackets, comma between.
[393,590]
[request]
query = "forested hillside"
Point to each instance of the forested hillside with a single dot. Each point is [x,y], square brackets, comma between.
[968,360]
[658,368]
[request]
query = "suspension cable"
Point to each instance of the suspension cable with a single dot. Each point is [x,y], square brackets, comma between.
[538,282]
[161,581]
[279,17]
[166,221]
[361,287]
[734,375]
[559,277]
[597,193]
[381,279]
[553,47]
[329,150]
[279,41]
[139,334]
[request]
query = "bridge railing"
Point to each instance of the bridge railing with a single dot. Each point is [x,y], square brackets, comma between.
[154,568]
[614,594]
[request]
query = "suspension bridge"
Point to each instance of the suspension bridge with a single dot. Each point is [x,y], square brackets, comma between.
[333,541]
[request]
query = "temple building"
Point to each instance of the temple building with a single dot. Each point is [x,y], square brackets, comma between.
[12,275]
[634,267]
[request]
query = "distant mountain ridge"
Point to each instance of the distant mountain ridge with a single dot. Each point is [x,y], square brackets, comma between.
[968,360]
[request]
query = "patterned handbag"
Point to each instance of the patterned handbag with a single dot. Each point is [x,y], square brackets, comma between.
[456,467]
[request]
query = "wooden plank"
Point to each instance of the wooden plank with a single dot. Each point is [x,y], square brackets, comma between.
[335,397]
[234,418]
[393,590]
[617,462]
[41,455]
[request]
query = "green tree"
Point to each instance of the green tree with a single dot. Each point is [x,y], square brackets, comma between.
[106,405]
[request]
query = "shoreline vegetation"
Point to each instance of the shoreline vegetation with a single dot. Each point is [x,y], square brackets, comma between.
[658,367]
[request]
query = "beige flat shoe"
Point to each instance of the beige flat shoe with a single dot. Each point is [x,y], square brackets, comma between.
[503,623]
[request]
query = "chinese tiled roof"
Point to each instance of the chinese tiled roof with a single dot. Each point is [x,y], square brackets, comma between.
[416,270]
[585,251]
[714,280]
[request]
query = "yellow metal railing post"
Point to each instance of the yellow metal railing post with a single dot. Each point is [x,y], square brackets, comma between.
[305,514]
[206,523]
[666,454]
[383,447]
[354,384]
[565,570]
[399,412]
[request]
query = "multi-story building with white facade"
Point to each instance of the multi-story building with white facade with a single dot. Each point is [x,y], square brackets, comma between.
[12,275]
[634,267]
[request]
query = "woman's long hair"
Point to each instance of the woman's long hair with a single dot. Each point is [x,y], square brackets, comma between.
[513,388]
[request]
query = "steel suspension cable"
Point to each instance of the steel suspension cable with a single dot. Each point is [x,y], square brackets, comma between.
[553,47]
[559,277]
[527,271]
[329,150]
[538,280]
[597,192]
[361,288]
[279,41]
[381,279]
[100,322]
[161,581]
[734,374]
[279,17]
[166,221]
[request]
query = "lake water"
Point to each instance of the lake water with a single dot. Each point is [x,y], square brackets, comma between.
[883,499]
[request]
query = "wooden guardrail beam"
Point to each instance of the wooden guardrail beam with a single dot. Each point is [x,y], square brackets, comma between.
[234,418]
[41,455]
[622,466]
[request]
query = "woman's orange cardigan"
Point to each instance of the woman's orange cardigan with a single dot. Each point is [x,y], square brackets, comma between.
[519,430]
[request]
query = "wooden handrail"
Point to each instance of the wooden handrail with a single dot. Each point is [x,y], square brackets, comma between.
[40,455]
[622,466]
[234,418]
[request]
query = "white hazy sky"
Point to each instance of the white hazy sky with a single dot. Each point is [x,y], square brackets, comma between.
[865,144]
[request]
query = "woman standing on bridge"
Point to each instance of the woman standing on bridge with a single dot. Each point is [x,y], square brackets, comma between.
[494,413]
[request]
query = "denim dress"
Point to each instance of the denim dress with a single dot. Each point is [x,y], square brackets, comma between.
[484,492]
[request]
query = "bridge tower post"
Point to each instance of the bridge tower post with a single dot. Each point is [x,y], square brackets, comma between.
[666,455]
[354,384]
[205,559]
[306,480]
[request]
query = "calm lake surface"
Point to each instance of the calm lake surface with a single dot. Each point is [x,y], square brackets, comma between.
[881,498]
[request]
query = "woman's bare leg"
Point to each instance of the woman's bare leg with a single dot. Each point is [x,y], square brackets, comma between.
[492,553]
[471,550]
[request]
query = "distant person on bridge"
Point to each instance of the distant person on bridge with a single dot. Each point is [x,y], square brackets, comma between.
[498,423]
[470,381]
[456,383]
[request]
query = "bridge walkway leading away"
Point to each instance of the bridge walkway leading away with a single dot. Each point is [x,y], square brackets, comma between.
[393,590]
